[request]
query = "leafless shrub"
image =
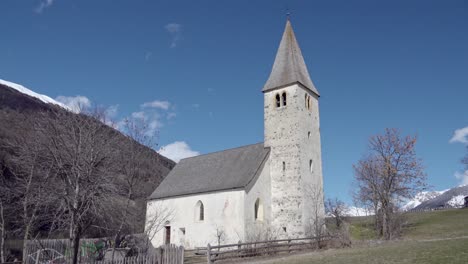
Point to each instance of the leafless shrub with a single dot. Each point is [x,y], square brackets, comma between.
[156,219]
[336,208]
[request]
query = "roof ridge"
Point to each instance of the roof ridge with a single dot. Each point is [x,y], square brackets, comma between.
[219,151]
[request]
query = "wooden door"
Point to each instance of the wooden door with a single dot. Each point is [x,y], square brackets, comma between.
[168,235]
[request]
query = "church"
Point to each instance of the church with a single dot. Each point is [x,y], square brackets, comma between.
[261,191]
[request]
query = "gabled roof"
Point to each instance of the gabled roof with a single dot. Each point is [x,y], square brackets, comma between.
[289,66]
[224,170]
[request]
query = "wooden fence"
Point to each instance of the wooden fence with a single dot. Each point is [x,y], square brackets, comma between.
[94,251]
[168,254]
[42,250]
[260,248]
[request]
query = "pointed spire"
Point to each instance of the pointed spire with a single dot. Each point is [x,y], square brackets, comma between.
[289,66]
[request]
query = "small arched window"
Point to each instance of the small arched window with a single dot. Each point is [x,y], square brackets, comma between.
[305,100]
[284,166]
[278,101]
[258,210]
[311,165]
[199,211]
[284,98]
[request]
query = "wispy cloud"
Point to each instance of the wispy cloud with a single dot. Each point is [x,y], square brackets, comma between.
[171,115]
[139,115]
[178,150]
[77,103]
[150,117]
[43,5]
[460,135]
[148,55]
[157,104]
[462,177]
[175,30]
[111,111]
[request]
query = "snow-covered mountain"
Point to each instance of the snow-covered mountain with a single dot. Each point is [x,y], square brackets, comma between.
[357,211]
[451,198]
[420,198]
[24,90]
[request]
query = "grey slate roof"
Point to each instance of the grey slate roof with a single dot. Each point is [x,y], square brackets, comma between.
[224,170]
[289,66]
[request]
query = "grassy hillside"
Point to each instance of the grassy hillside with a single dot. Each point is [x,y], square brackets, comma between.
[423,225]
[428,237]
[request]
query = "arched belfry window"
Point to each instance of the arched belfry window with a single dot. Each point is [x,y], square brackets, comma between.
[199,211]
[278,100]
[258,210]
[308,101]
[284,98]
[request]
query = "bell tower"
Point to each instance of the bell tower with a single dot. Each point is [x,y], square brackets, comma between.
[292,131]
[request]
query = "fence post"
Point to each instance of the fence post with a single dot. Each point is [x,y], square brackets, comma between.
[182,249]
[289,246]
[208,253]
[38,255]
[238,248]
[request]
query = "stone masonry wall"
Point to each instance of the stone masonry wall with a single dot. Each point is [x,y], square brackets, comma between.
[287,133]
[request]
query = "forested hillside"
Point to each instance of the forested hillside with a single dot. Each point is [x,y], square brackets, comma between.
[69,175]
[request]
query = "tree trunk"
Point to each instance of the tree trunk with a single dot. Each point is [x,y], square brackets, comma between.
[122,222]
[75,244]
[2,238]
[25,242]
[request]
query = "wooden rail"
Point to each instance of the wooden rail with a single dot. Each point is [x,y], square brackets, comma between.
[259,248]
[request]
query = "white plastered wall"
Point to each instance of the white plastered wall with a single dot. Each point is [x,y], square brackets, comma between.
[222,211]
[257,229]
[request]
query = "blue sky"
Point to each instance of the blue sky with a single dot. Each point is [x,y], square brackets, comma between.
[200,65]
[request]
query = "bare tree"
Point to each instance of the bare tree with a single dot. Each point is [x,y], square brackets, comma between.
[158,217]
[390,172]
[5,201]
[316,227]
[337,209]
[220,235]
[134,172]
[82,150]
[29,186]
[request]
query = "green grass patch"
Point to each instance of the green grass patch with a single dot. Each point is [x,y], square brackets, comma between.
[415,252]
[437,224]
[422,225]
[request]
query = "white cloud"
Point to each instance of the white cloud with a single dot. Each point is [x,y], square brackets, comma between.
[176,32]
[111,111]
[178,150]
[43,5]
[109,115]
[171,115]
[462,177]
[460,135]
[157,104]
[76,103]
[139,115]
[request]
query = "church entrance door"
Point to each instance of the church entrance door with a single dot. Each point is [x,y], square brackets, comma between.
[167,239]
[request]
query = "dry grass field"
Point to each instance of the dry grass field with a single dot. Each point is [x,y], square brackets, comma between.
[428,237]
